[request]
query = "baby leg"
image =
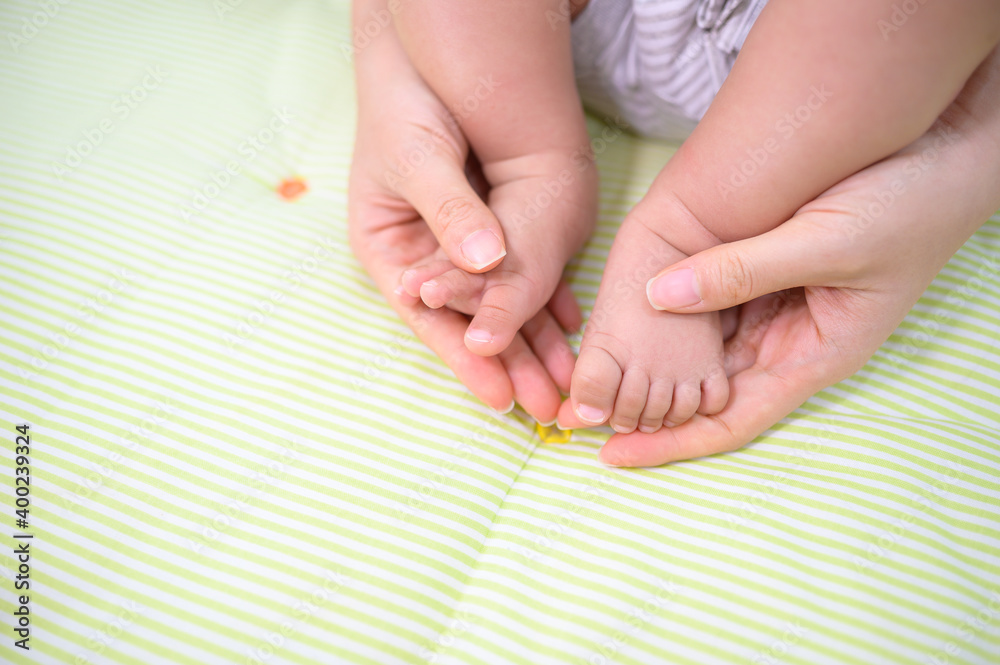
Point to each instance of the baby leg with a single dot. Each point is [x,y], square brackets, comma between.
[506,71]
[817,94]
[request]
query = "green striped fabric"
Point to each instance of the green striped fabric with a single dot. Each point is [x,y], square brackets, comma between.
[239,455]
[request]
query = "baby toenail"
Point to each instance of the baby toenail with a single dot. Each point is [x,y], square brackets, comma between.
[674,289]
[590,414]
[482,248]
[480,336]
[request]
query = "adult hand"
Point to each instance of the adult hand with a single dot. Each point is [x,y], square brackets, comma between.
[864,251]
[409,196]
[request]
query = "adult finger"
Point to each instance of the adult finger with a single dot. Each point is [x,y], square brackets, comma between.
[467,230]
[737,272]
[533,387]
[548,340]
[443,332]
[758,399]
[565,308]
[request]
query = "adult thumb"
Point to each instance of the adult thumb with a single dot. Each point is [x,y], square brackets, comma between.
[466,228]
[734,273]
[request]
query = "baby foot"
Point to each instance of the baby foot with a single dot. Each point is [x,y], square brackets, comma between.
[545,219]
[639,367]
[438,283]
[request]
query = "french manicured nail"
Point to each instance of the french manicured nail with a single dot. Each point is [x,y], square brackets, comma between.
[590,414]
[674,289]
[480,336]
[508,409]
[482,248]
[548,424]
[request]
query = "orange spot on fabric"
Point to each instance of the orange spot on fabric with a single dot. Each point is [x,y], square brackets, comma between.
[292,188]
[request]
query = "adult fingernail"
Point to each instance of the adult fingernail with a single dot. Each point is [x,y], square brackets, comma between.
[590,414]
[508,409]
[482,248]
[479,336]
[674,289]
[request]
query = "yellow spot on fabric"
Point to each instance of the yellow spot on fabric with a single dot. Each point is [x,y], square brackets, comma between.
[553,434]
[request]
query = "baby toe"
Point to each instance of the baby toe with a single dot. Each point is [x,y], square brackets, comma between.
[714,392]
[414,277]
[434,294]
[687,398]
[661,394]
[507,303]
[456,288]
[630,400]
[595,385]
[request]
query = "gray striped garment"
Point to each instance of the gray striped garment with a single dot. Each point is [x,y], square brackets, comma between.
[658,63]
